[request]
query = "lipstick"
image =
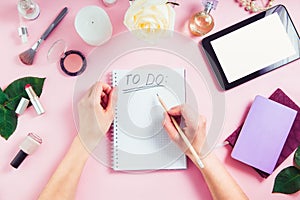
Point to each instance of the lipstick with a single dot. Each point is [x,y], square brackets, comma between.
[22,106]
[27,147]
[34,99]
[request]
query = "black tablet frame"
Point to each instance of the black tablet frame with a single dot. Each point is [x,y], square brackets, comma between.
[215,64]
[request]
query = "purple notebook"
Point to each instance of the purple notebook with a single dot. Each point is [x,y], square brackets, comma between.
[293,140]
[263,134]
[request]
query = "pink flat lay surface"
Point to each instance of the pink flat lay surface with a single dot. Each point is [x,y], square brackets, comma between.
[57,127]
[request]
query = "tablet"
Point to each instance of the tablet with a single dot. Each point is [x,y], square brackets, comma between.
[252,47]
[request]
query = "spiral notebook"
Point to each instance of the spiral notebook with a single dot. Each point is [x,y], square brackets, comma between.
[139,139]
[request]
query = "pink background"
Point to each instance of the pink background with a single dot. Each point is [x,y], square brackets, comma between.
[57,127]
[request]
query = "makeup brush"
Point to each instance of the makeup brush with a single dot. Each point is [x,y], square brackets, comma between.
[27,56]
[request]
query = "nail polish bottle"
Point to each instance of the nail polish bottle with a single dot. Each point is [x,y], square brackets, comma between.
[27,147]
[202,22]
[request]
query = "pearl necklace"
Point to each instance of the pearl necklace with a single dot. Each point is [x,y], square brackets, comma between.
[251,6]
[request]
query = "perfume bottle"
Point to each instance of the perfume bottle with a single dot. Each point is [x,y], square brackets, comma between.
[202,22]
[28,9]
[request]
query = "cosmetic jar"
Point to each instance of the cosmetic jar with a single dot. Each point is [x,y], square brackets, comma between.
[71,62]
[28,9]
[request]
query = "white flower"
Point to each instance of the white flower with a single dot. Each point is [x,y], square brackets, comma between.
[149,18]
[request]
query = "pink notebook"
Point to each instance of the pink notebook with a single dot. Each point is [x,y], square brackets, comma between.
[263,134]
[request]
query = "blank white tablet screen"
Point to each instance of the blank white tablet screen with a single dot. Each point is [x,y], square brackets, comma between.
[253,47]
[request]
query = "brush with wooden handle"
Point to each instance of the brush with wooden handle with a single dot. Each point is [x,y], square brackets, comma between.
[27,56]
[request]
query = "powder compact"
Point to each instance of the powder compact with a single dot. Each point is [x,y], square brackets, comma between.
[71,62]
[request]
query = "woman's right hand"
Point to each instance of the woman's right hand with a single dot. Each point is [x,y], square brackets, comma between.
[194,128]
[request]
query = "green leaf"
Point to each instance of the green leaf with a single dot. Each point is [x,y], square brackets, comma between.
[16,90]
[287,181]
[8,122]
[3,97]
[297,157]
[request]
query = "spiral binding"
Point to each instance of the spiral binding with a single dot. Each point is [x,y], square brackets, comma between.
[114,128]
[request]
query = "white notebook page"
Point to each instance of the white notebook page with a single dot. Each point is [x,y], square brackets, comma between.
[140,142]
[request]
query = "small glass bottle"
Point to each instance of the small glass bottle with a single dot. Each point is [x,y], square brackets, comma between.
[202,22]
[28,9]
